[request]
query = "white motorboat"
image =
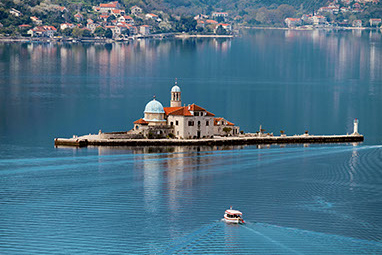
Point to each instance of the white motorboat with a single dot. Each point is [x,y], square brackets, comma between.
[233,216]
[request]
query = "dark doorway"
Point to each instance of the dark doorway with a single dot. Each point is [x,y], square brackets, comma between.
[198,134]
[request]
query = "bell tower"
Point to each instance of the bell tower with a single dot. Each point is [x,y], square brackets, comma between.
[176,100]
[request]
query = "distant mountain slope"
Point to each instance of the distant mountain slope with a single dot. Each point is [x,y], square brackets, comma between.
[234,6]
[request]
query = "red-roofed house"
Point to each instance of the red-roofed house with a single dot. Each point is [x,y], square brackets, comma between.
[79,17]
[182,122]
[375,22]
[200,23]
[24,26]
[210,21]
[293,22]
[135,10]
[223,126]
[103,17]
[66,25]
[108,7]
[127,19]
[227,27]
[36,20]
[153,16]
[144,30]
[118,13]
[42,31]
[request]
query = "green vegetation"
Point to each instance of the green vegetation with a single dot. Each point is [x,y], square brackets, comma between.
[176,15]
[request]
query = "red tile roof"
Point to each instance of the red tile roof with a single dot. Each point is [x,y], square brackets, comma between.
[141,121]
[185,110]
[182,111]
[113,5]
[168,110]
[227,123]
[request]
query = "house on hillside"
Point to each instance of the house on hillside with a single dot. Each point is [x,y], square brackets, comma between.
[106,8]
[375,22]
[118,13]
[127,19]
[135,10]
[144,30]
[42,31]
[319,20]
[36,20]
[64,26]
[15,12]
[79,17]
[216,15]
[153,17]
[293,22]
[357,23]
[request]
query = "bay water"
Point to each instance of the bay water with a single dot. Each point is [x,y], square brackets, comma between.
[308,199]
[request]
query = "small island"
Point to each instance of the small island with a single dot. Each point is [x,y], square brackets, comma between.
[192,125]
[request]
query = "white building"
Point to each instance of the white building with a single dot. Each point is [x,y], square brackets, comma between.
[64,26]
[183,122]
[293,22]
[144,30]
[135,10]
[15,12]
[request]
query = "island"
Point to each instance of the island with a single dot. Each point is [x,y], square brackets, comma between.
[193,125]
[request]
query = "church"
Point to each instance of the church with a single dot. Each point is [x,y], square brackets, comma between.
[182,122]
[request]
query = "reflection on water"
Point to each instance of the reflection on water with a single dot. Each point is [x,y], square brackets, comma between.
[305,199]
[277,79]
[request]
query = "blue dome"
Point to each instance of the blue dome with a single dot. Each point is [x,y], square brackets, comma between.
[175,89]
[154,106]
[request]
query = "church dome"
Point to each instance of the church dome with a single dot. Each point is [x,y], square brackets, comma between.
[154,106]
[175,89]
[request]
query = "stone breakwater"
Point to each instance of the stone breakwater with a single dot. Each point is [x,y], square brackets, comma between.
[95,140]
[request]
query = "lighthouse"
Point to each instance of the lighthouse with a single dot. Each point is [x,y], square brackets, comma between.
[355,127]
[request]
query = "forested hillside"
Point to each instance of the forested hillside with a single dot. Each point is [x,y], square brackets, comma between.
[174,6]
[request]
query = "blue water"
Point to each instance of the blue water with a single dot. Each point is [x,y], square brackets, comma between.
[308,200]
[296,199]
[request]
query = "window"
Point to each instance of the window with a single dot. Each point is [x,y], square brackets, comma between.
[207,123]
[196,113]
[136,127]
[172,123]
[190,123]
[198,123]
[176,123]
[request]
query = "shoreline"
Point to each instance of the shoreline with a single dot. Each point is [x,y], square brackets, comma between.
[4,39]
[310,28]
[94,140]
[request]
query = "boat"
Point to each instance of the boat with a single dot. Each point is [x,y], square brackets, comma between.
[233,216]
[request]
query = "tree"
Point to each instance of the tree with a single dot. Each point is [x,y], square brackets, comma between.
[99,31]
[227,130]
[221,31]
[86,33]
[109,33]
[67,31]
[126,32]
[111,18]
[77,32]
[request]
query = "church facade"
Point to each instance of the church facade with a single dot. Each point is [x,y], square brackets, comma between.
[183,122]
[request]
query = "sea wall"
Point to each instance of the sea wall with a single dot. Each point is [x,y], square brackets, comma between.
[93,140]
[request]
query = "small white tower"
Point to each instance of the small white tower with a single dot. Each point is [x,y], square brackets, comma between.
[176,100]
[355,127]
